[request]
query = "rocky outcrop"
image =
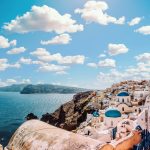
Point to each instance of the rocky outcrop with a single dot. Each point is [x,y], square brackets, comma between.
[31,116]
[70,115]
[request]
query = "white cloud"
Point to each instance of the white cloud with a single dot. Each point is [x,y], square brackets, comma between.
[25,60]
[145,57]
[95,11]
[44,55]
[103,63]
[8,82]
[107,63]
[61,72]
[16,50]
[139,72]
[93,65]
[13,42]
[45,19]
[11,81]
[44,66]
[5,65]
[135,21]
[25,81]
[115,49]
[144,30]
[102,56]
[53,68]
[60,39]
[5,43]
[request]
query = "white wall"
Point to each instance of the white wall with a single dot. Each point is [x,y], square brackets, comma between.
[111,122]
[123,108]
[123,99]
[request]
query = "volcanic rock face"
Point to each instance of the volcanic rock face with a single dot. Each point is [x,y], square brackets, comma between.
[31,116]
[71,114]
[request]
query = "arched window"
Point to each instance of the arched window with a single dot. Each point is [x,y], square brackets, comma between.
[122,108]
[135,110]
[123,100]
[112,123]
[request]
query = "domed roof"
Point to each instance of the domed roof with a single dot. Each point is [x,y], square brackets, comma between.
[113,113]
[123,94]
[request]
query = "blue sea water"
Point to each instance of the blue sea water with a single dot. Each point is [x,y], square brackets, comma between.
[15,106]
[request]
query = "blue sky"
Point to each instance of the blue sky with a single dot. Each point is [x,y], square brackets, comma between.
[90,44]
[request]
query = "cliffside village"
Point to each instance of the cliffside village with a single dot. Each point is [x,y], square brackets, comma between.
[118,111]
[119,120]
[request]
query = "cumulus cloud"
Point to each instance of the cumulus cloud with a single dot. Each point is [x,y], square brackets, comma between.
[16,50]
[144,30]
[5,43]
[43,55]
[111,63]
[45,19]
[95,11]
[44,66]
[8,82]
[135,21]
[5,65]
[53,68]
[138,72]
[116,49]
[25,60]
[60,39]
[102,56]
[107,63]
[93,65]
[25,81]
[145,57]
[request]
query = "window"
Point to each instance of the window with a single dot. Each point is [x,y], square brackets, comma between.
[122,108]
[112,123]
[123,100]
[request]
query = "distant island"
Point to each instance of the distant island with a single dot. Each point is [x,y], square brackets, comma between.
[13,88]
[50,88]
[41,88]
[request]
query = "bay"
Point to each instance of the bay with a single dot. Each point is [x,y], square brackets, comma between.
[15,106]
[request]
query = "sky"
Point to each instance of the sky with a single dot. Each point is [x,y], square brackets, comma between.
[83,43]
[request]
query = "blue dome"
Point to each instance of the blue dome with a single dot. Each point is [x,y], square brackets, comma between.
[113,113]
[123,94]
[96,114]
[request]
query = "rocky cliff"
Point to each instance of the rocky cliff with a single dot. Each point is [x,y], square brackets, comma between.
[71,114]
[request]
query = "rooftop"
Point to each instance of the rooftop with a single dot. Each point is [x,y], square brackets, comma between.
[123,94]
[113,113]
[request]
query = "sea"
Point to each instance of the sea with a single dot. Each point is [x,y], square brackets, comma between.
[14,107]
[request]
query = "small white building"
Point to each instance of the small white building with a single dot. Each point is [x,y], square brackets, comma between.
[112,117]
[147,101]
[138,95]
[123,97]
